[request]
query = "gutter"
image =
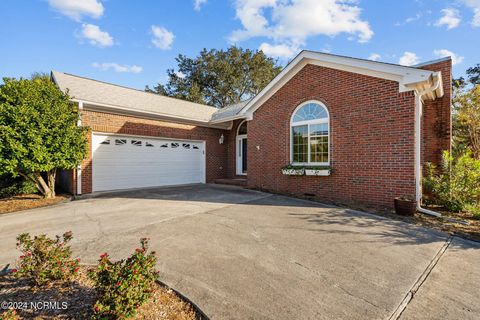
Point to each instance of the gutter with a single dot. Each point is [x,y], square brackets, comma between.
[226,119]
[418,145]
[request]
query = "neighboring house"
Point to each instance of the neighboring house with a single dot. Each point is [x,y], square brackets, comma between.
[374,124]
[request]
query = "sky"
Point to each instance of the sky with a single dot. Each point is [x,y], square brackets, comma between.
[134,42]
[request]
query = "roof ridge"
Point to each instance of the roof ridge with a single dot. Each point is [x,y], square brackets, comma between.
[361,59]
[426,63]
[130,88]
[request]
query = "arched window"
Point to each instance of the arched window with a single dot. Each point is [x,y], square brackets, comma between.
[310,134]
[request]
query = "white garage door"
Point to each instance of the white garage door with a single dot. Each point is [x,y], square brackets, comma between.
[123,162]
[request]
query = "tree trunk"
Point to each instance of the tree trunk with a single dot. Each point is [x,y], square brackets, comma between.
[51,182]
[41,185]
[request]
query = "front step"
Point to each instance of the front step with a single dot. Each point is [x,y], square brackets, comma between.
[232,182]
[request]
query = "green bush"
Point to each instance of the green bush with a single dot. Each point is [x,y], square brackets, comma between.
[10,186]
[456,184]
[44,259]
[473,209]
[9,314]
[123,286]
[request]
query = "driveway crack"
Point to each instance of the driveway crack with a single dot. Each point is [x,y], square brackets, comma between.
[420,281]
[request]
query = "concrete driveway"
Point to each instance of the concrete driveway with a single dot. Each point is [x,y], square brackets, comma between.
[241,254]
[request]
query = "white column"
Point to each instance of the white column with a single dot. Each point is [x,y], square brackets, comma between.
[79,168]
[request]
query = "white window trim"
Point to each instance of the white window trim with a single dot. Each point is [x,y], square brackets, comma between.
[308,123]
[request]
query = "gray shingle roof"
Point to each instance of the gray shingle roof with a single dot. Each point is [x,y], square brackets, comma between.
[229,111]
[105,93]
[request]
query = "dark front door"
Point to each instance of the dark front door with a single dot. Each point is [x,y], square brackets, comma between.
[244,155]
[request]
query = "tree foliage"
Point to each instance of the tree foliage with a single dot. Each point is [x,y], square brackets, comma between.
[456,183]
[38,132]
[466,121]
[219,77]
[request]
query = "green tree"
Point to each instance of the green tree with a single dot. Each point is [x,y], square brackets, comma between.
[466,121]
[219,77]
[38,132]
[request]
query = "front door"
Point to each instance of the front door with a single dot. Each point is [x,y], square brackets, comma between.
[242,155]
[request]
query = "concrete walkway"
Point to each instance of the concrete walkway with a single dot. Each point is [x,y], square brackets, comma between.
[241,254]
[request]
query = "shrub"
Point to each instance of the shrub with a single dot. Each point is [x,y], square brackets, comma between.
[456,184]
[123,286]
[10,314]
[10,186]
[44,259]
[473,209]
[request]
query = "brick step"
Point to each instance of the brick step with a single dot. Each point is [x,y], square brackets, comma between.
[233,182]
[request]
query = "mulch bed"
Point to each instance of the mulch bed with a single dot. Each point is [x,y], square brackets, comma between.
[28,201]
[459,224]
[75,301]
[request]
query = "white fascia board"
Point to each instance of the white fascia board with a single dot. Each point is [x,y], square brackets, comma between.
[95,106]
[405,76]
[226,119]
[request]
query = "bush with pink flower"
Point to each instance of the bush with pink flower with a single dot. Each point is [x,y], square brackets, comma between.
[123,286]
[44,259]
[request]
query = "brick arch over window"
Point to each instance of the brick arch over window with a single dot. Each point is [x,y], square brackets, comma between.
[310,134]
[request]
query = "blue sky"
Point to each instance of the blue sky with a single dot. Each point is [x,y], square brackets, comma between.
[134,42]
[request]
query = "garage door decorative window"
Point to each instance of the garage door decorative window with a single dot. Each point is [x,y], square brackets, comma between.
[137,143]
[310,134]
[119,142]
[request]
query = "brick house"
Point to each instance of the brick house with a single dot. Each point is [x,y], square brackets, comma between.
[366,127]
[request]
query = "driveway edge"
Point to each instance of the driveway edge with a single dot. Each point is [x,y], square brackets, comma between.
[423,277]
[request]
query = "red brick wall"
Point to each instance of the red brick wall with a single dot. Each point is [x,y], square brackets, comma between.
[437,117]
[216,154]
[372,138]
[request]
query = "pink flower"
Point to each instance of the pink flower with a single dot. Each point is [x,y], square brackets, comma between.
[78,259]
[29,253]
[104,255]
[118,283]
[14,270]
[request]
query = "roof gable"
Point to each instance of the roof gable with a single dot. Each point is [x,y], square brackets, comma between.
[408,78]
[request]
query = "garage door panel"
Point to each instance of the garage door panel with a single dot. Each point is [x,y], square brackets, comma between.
[133,162]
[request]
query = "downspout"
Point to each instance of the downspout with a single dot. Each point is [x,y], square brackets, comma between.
[418,147]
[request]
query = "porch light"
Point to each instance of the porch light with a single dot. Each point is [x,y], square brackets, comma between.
[222,138]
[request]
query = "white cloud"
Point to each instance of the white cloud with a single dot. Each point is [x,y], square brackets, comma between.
[450,18]
[456,59]
[162,38]
[76,9]
[117,67]
[96,36]
[292,22]
[374,57]
[180,74]
[279,51]
[475,5]
[409,59]
[197,4]
[408,20]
